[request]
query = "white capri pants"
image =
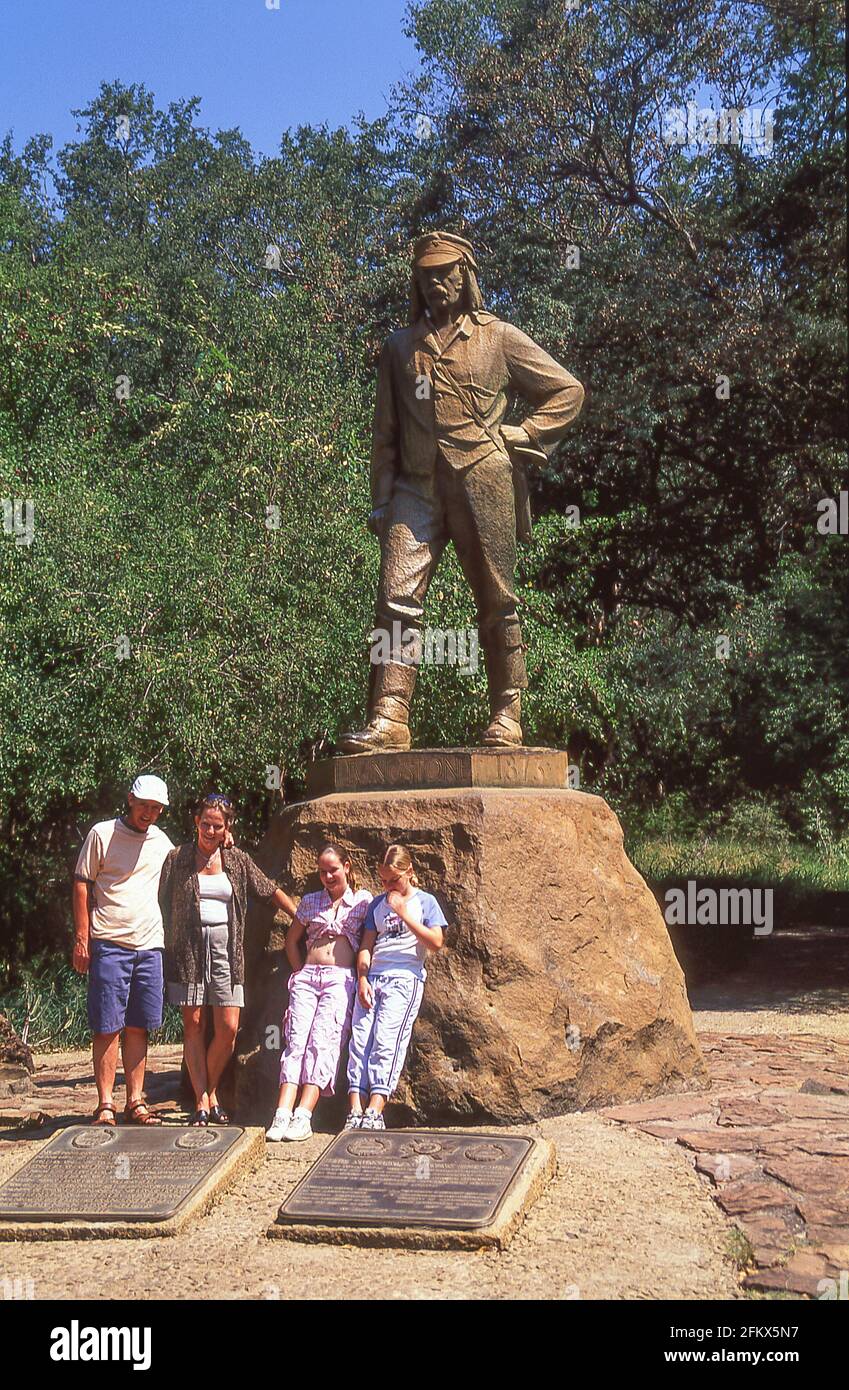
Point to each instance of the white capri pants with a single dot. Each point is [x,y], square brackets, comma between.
[380,1035]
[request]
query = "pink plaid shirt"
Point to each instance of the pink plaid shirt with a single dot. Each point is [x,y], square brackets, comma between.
[323,917]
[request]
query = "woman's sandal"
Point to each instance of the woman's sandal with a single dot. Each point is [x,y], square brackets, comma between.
[132,1116]
[107,1110]
[217,1116]
[201,1119]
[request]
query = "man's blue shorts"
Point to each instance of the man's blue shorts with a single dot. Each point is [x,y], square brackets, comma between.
[124,988]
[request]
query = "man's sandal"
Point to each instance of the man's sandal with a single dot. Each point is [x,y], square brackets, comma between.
[104,1109]
[132,1116]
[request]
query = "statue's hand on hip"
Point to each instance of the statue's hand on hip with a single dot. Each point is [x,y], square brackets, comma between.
[514,435]
[376,521]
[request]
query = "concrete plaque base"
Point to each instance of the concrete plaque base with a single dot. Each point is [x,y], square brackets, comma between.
[420,1189]
[96,1181]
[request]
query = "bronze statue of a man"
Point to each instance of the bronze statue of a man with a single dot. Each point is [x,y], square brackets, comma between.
[445,467]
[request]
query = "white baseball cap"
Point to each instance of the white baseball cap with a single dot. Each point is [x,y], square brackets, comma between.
[150,788]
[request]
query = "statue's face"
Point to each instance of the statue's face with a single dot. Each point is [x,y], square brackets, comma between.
[441,286]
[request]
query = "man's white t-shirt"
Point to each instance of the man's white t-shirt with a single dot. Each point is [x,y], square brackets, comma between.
[124,868]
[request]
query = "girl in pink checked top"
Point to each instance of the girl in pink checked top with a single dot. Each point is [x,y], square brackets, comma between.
[321,992]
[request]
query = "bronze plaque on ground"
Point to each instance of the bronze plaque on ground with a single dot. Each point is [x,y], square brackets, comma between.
[417,1179]
[95,1173]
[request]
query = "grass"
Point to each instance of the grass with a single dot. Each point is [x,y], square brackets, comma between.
[791,865]
[738,1247]
[53,999]
[739,1250]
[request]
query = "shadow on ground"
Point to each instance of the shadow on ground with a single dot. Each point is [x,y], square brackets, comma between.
[793,971]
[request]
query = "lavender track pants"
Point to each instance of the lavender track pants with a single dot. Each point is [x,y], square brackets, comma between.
[380,1035]
[315,1026]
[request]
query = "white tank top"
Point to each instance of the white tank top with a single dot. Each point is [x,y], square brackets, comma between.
[216,890]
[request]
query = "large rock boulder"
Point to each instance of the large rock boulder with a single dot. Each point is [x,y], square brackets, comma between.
[13,1051]
[16,1062]
[558,988]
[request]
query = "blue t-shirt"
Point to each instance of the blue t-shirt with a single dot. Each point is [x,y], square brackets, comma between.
[396,947]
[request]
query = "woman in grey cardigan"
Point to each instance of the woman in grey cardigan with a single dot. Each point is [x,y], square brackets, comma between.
[203,893]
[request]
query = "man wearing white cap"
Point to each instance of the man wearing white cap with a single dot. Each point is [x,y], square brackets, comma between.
[119,942]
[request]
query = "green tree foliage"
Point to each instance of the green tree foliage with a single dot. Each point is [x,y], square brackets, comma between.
[698,262]
[697,287]
[188,338]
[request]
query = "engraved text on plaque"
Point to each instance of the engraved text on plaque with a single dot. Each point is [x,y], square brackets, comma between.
[408,1178]
[95,1173]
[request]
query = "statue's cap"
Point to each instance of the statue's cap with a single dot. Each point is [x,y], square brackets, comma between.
[442,248]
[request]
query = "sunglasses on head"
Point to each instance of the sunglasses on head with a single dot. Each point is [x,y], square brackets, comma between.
[216,799]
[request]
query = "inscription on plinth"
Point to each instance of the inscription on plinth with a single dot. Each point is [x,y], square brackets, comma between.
[425,768]
[96,1173]
[408,1178]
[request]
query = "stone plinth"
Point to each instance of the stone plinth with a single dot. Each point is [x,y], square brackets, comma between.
[558,988]
[426,768]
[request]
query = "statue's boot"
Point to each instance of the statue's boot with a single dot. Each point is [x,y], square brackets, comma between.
[504,654]
[388,727]
[505,726]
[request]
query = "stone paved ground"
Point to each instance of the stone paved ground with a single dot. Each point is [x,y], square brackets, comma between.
[772,1138]
[645,1204]
[770,1141]
[591,1235]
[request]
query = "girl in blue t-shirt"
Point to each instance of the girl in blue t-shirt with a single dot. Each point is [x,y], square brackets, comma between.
[402,925]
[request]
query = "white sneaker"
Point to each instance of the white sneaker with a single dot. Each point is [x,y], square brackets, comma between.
[300,1126]
[354,1121]
[279,1125]
[372,1120]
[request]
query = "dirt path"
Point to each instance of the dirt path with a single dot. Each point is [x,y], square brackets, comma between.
[629,1215]
[593,1234]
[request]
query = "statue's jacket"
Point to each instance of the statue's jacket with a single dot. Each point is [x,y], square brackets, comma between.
[420,415]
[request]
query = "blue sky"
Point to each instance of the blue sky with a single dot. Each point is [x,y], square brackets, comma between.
[260,69]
